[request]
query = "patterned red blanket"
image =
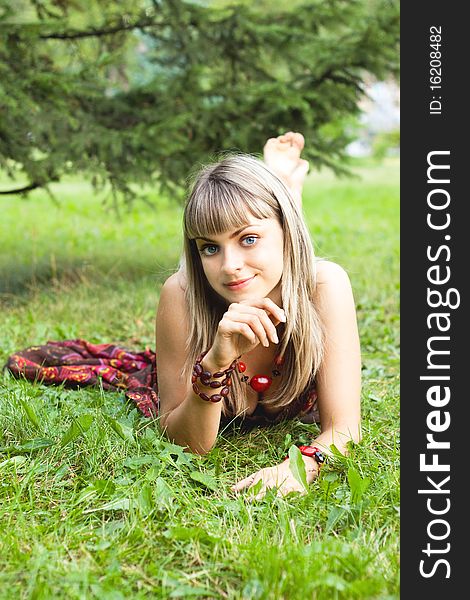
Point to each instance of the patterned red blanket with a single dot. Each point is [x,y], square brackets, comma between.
[78,363]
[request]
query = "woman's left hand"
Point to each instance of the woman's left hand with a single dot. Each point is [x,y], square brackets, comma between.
[280,477]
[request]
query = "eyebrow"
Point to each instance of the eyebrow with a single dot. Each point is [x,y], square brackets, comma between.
[234,234]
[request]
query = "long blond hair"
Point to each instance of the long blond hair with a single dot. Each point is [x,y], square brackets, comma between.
[220,198]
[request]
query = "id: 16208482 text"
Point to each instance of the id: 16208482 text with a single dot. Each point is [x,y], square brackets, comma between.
[435,69]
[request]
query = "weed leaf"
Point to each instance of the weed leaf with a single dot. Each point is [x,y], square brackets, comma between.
[135,462]
[124,431]
[61,473]
[169,449]
[78,427]
[207,480]
[14,460]
[334,516]
[357,485]
[116,504]
[255,489]
[98,487]
[86,494]
[145,499]
[297,466]
[190,533]
[28,409]
[332,580]
[164,495]
[184,591]
[338,455]
[28,446]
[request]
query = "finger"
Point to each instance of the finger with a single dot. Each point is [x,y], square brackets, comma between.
[261,493]
[259,321]
[251,497]
[262,326]
[268,485]
[255,480]
[254,324]
[269,306]
[265,315]
[280,493]
[242,484]
[283,492]
[259,496]
[231,327]
[268,480]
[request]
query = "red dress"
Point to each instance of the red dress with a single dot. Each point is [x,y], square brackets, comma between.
[77,363]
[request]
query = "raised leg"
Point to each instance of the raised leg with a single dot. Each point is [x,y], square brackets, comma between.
[282,155]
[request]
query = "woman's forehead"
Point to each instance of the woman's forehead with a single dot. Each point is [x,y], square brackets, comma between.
[223,221]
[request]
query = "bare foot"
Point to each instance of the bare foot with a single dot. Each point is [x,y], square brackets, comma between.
[282,155]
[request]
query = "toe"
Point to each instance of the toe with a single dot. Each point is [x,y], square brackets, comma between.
[287,137]
[299,140]
[270,143]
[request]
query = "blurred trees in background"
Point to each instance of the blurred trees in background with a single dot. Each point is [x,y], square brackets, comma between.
[140,91]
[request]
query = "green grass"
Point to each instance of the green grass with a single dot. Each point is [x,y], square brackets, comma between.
[125,515]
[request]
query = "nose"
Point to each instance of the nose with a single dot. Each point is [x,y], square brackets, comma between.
[232,260]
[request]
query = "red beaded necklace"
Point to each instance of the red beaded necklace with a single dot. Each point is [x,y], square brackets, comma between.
[261,383]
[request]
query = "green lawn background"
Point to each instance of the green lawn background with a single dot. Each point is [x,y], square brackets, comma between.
[110,509]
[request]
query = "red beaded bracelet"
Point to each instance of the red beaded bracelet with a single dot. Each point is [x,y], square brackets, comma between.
[209,379]
[313,452]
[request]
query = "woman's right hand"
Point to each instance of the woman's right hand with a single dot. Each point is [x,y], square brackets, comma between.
[245,325]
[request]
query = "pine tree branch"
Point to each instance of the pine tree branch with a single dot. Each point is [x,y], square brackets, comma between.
[22,190]
[74,35]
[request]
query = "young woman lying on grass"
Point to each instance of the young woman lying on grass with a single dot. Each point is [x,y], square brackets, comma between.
[254,328]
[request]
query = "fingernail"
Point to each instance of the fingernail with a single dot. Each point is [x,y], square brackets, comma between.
[276,339]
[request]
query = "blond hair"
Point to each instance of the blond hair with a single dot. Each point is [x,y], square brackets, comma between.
[221,197]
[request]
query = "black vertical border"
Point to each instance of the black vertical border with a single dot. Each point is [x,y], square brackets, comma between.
[421,133]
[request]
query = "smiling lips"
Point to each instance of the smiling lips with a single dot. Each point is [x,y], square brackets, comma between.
[238,285]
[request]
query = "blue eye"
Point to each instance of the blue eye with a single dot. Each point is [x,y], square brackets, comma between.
[250,240]
[208,250]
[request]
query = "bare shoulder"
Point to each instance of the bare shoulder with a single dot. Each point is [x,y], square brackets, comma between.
[172,308]
[175,285]
[331,274]
[333,293]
